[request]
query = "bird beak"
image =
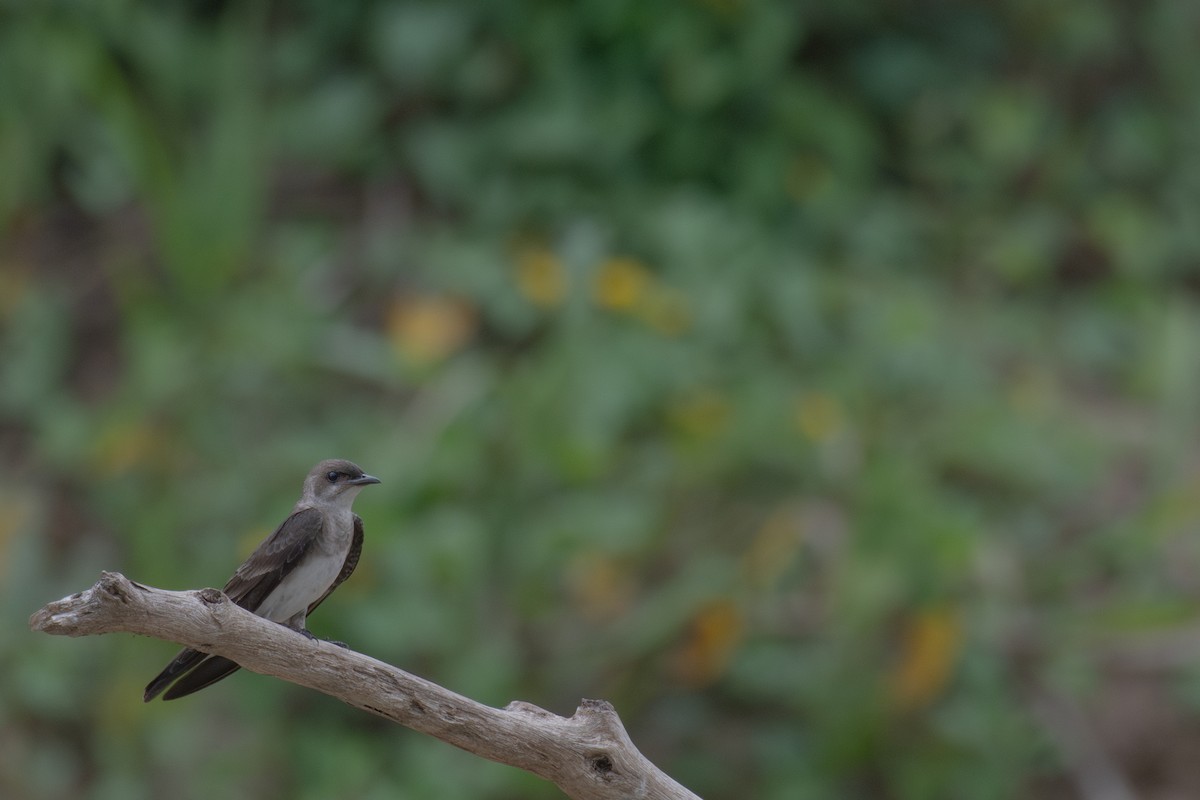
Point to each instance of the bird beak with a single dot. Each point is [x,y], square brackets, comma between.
[363,480]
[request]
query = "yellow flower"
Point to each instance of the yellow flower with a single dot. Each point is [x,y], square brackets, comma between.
[541,277]
[666,310]
[427,329]
[701,414]
[620,284]
[818,416]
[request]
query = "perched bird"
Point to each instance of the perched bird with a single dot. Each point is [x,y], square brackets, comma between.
[290,573]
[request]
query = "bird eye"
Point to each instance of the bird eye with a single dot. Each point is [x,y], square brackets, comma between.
[332,476]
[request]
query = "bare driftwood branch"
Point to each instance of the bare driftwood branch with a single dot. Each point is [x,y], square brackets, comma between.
[588,755]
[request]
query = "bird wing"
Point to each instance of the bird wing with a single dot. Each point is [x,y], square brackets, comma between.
[274,558]
[253,581]
[347,566]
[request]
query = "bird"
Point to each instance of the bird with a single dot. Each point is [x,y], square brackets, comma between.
[289,574]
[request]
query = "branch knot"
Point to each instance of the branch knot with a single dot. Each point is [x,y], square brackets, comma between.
[602,765]
[211,597]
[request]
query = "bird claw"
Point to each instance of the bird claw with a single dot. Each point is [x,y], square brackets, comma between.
[307,634]
[312,638]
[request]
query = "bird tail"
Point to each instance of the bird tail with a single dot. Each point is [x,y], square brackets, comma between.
[186,659]
[198,670]
[208,672]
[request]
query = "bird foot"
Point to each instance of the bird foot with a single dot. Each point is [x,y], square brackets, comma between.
[307,634]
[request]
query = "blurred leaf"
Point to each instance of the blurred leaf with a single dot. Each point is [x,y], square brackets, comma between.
[602,585]
[697,345]
[775,546]
[929,650]
[714,634]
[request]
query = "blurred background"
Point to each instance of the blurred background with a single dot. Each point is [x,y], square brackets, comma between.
[818,382]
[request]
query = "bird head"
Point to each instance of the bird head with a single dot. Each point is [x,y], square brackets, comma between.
[336,481]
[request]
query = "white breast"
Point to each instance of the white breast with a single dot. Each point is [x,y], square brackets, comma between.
[303,585]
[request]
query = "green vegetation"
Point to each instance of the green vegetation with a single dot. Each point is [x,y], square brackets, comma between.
[816,381]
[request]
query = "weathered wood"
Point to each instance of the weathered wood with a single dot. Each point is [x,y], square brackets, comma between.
[588,755]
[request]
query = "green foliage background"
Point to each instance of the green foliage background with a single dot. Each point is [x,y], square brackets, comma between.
[816,381]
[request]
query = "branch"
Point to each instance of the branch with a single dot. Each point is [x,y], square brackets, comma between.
[588,755]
